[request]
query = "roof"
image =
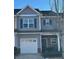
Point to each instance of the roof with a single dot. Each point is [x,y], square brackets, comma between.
[16,11]
[48,13]
[44,13]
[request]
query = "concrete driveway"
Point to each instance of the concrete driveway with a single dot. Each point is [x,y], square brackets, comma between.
[33,56]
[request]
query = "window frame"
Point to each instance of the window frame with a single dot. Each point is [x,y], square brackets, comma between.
[50,42]
[25,19]
[47,22]
[29,21]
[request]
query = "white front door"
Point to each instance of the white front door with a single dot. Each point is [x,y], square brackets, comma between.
[28,45]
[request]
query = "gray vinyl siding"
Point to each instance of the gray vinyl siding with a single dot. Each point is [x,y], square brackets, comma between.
[53,26]
[28,29]
[15,22]
[16,40]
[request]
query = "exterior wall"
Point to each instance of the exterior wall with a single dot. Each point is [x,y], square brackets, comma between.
[16,40]
[57,24]
[52,27]
[28,29]
[15,22]
[60,24]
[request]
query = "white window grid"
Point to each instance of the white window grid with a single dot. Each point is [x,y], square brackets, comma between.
[28,21]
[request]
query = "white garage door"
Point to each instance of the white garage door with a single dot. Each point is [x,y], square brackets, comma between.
[28,45]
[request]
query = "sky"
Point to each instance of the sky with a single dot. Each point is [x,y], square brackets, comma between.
[41,4]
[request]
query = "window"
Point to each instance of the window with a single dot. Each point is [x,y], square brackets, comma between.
[31,22]
[47,22]
[25,23]
[28,23]
[51,42]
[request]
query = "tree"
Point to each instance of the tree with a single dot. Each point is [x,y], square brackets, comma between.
[56,5]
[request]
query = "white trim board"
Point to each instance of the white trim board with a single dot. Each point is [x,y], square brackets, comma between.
[28,15]
[42,33]
[58,42]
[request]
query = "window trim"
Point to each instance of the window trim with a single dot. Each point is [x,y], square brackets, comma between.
[47,22]
[49,42]
[32,19]
[28,22]
[24,19]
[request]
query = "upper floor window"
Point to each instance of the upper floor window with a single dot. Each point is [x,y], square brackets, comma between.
[47,22]
[31,22]
[25,23]
[28,23]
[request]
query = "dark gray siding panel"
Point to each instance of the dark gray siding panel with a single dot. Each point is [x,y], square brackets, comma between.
[52,26]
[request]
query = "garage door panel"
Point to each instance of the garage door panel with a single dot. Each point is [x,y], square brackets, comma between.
[28,45]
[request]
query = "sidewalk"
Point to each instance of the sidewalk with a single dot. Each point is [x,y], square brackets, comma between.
[33,56]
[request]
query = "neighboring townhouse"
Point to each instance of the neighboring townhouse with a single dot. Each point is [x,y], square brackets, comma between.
[38,31]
